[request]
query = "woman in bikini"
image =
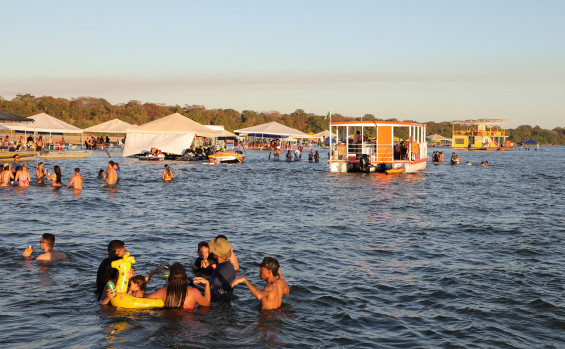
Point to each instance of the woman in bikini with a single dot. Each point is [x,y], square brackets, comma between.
[167,174]
[56,176]
[177,294]
[40,173]
[22,176]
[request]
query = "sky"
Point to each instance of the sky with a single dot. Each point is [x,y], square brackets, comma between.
[406,59]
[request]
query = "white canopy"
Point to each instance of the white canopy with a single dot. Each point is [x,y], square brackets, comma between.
[112,126]
[324,133]
[274,129]
[44,123]
[171,134]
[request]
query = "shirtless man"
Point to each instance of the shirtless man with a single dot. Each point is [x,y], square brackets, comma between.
[47,241]
[76,180]
[6,176]
[271,295]
[111,175]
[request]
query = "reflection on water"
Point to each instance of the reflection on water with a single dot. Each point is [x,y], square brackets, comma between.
[450,256]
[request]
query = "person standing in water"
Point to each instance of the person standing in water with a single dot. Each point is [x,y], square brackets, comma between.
[276,288]
[47,242]
[111,175]
[22,176]
[167,174]
[76,180]
[56,176]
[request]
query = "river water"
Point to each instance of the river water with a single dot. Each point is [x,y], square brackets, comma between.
[452,257]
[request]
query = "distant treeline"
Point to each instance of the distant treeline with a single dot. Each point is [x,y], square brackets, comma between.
[84,112]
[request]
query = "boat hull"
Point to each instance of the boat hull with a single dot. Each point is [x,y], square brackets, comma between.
[226,157]
[22,154]
[76,154]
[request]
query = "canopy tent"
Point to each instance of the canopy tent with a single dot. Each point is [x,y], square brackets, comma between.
[324,133]
[44,123]
[171,134]
[272,130]
[7,117]
[439,138]
[112,126]
[530,142]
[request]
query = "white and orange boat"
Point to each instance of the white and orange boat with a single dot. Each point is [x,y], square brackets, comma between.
[369,146]
[227,157]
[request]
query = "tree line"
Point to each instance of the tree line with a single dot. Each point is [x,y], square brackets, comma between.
[84,112]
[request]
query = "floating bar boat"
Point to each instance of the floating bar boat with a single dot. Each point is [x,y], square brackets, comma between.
[481,134]
[373,147]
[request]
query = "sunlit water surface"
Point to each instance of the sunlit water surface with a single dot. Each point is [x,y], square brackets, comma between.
[455,256]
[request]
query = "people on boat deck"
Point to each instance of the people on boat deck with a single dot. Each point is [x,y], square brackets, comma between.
[177,294]
[276,288]
[56,176]
[76,180]
[204,265]
[224,274]
[6,175]
[49,254]
[167,174]
[111,175]
[22,176]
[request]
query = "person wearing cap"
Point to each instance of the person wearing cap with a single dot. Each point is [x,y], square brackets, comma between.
[224,274]
[276,288]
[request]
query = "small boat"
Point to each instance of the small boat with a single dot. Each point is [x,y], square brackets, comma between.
[227,157]
[64,154]
[22,154]
[395,170]
[152,157]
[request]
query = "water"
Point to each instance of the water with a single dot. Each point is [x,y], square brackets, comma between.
[455,257]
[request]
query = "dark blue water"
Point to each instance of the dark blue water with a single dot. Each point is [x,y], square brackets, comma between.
[454,257]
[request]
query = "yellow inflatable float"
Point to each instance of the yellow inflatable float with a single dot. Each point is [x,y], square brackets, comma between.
[122,298]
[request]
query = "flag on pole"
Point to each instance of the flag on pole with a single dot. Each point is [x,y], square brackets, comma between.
[329,115]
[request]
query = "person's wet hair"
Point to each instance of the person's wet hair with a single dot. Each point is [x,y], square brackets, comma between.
[177,287]
[115,245]
[139,280]
[49,239]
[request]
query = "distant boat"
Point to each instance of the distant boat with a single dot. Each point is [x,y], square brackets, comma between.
[227,157]
[63,154]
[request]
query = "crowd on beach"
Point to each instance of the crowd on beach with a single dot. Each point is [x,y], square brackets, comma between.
[214,276]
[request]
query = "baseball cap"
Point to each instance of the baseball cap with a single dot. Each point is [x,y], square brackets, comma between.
[270,263]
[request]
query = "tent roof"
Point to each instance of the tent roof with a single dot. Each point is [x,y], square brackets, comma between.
[273,128]
[7,117]
[45,123]
[112,126]
[324,133]
[531,141]
[175,124]
[438,137]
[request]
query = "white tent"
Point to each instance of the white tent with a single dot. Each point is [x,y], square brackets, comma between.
[44,123]
[324,133]
[171,134]
[112,126]
[272,130]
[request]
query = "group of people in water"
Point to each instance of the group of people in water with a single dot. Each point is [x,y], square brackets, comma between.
[438,157]
[214,276]
[297,156]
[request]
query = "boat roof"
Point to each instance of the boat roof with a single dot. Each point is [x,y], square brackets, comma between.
[373,123]
[480,122]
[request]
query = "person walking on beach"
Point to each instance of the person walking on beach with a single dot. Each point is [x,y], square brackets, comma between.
[111,175]
[47,242]
[276,288]
[76,180]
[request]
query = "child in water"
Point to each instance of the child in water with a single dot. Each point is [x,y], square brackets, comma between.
[137,286]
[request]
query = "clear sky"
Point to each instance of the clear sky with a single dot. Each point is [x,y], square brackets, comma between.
[406,59]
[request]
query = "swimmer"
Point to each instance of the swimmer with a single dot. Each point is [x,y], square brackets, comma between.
[316,157]
[204,264]
[76,180]
[468,163]
[56,176]
[233,257]
[111,175]
[41,173]
[22,176]
[167,174]
[6,175]
[47,242]
[177,294]
[101,173]
[271,296]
